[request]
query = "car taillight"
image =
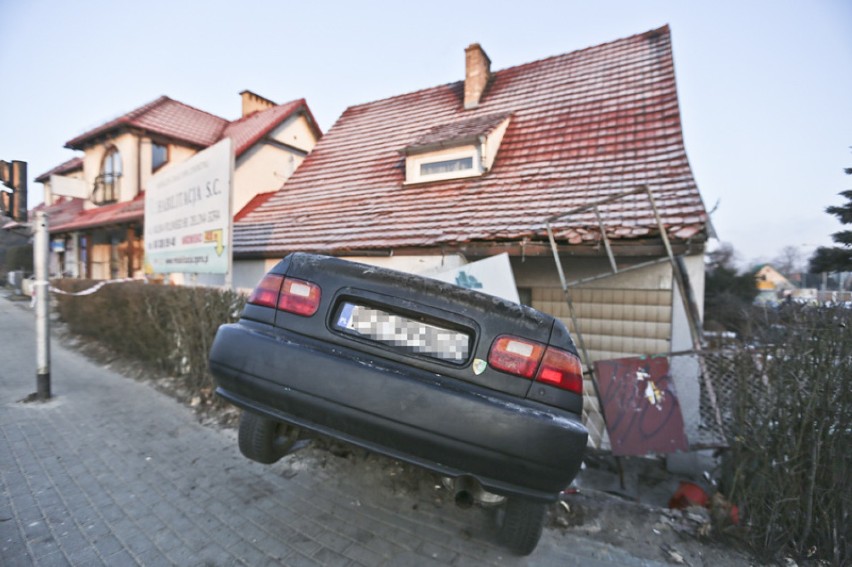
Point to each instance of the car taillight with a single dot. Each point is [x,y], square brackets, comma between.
[299,297]
[289,294]
[528,359]
[562,369]
[266,292]
[515,356]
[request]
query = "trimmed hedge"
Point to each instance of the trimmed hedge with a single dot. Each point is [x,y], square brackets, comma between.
[170,328]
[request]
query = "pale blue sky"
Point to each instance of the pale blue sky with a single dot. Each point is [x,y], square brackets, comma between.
[765,87]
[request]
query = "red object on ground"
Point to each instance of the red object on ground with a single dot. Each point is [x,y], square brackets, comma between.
[689,494]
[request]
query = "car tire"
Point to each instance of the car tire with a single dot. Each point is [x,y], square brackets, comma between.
[521,522]
[265,440]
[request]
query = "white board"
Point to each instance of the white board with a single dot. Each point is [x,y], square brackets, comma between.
[492,276]
[188,214]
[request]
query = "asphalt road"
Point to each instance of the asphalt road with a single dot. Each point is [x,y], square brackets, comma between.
[112,472]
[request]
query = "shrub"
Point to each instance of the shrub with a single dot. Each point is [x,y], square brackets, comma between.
[170,328]
[789,467]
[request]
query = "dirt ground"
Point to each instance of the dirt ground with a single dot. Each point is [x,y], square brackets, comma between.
[592,508]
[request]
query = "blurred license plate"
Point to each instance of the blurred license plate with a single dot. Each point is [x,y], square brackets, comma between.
[404,333]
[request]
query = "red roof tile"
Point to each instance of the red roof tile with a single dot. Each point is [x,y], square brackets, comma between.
[585,125]
[183,123]
[62,212]
[256,201]
[248,130]
[116,213]
[73,164]
[166,117]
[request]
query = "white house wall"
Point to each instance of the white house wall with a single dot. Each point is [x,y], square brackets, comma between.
[265,167]
[296,132]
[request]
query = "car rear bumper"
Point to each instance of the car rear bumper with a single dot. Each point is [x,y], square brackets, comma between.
[513,447]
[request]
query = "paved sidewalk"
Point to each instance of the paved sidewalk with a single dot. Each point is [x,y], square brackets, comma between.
[111,472]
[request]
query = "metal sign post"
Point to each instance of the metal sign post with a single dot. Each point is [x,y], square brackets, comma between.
[41,289]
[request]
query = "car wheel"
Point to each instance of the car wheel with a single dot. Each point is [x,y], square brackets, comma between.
[265,440]
[521,522]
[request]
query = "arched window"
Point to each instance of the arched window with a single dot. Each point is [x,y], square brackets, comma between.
[108,183]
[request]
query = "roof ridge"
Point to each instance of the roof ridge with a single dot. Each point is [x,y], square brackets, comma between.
[195,108]
[300,101]
[664,29]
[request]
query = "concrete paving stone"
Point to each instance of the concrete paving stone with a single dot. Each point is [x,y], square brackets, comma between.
[334,541]
[165,540]
[182,556]
[330,558]
[213,554]
[195,539]
[12,546]
[84,556]
[107,544]
[411,559]
[361,554]
[437,552]
[251,532]
[248,553]
[387,548]
[56,559]
[121,558]
[28,514]
[275,547]
[96,528]
[149,523]
[151,558]
[72,540]
[112,512]
[15,560]
[304,545]
[299,560]
[138,544]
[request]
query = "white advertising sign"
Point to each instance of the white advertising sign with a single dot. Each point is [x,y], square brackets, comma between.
[68,187]
[492,276]
[188,214]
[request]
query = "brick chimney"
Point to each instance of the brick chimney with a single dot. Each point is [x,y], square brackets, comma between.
[254,102]
[476,76]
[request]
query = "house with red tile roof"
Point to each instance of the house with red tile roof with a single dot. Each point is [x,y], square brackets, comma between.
[96,200]
[478,167]
[485,165]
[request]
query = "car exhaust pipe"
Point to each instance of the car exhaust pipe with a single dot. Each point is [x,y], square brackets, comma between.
[463,499]
[467,491]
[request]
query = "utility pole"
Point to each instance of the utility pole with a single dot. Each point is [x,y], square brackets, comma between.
[41,289]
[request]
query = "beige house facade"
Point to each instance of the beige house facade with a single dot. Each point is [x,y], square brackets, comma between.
[95,201]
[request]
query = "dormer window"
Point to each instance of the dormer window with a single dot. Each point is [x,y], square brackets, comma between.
[455,150]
